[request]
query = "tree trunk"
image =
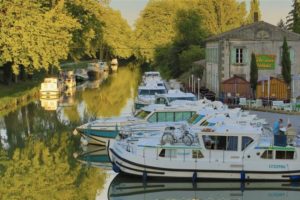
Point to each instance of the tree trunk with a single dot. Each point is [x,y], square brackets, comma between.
[22,75]
[7,73]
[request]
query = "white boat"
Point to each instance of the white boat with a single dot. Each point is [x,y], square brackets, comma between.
[132,188]
[94,71]
[69,80]
[101,130]
[226,152]
[146,93]
[151,76]
[103,66]
[114,64]
[166,98]
[81,75]
[50,87]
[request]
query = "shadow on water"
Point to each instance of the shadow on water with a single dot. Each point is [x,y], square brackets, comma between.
[37,147]
[132,188]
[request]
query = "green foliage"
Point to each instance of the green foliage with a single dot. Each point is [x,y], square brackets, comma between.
[253,73]
[32,36]
[286,63]
[187,57]
[254,7]
[176,58]
[293,20]
[40,171]
[155,27]
[117,35]
[221,15]
[88,39]
[282,24]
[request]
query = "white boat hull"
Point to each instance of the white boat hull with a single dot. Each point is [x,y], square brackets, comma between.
[129,163]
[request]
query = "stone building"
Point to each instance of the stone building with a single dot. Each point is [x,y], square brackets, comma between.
[229,54]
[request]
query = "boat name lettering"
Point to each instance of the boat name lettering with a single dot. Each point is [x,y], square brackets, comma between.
[277,166]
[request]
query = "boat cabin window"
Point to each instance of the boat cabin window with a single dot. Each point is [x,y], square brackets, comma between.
[170,116]
[168,153]
[152,92]
[246,141]
[182,98]
[206,123]
[228,143]
[142,114]
[284,155]
[160,100]
[268,154]
[197,154]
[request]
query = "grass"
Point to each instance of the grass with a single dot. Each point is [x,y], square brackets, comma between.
[75,65]
[17,89]
[17,95]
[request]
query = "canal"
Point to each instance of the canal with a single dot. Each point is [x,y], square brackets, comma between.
[40,158]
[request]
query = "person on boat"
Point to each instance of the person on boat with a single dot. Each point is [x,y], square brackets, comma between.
[276,126]
[290,133]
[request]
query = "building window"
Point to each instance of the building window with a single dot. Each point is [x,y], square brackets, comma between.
[239,56]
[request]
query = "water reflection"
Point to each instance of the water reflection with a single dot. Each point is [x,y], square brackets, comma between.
[37,147]
[95,156]
[130,188]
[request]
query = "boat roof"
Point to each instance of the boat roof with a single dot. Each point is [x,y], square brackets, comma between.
[163,107]
[233,129]
[152,87]
[150,73]
[175,94]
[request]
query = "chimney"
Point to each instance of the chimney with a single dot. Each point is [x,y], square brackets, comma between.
[255,17]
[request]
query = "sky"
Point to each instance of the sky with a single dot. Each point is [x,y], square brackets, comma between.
[272,10]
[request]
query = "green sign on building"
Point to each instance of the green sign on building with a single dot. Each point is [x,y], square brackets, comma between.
[266,62]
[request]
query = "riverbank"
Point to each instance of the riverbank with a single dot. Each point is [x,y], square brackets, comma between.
[17,95]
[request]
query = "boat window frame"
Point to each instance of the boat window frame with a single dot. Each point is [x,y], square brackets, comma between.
[267,154]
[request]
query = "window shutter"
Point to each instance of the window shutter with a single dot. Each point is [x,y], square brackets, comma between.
[292,55]
[246,56]
[233,55]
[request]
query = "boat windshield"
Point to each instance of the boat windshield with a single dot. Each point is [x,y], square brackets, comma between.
[195,119]
[142,114]
[182,98]
[151,92]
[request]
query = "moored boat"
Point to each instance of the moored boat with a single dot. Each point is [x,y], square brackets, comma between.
[94,71]
[81,75]
[50,87]
[114,64]
[226,152]
[100,131]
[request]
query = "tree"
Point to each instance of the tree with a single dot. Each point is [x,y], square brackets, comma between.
[293,20]
[117,35]
[155,27]
[33,37]
[286,65]
[253,74]
[281,24]
[221,15]
[176,58]
[254,8]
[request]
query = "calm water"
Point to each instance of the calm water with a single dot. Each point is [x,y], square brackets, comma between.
[41,159]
